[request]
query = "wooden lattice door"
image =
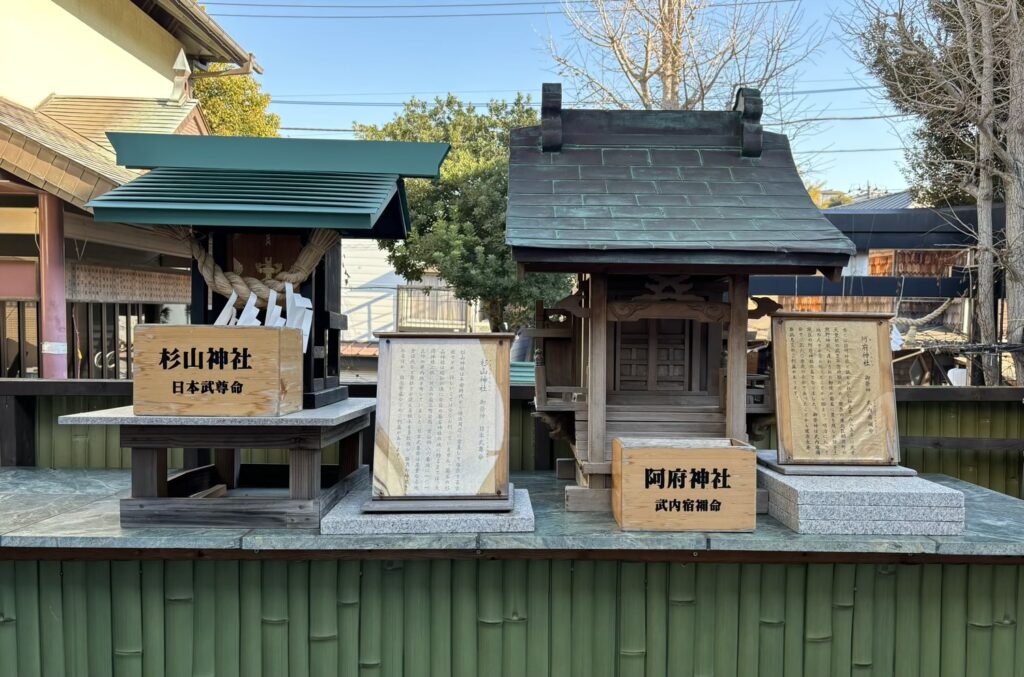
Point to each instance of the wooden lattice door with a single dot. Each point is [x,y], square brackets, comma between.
[652,355]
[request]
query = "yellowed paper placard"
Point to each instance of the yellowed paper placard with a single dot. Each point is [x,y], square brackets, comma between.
[444,429]
[834,390]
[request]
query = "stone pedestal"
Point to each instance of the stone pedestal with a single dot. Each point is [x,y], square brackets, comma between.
[348,517]
[862,505]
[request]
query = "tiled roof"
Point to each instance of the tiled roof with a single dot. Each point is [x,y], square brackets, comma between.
[94,116]
[360,349]
[900,200]
[61,139]
[522,373]
[661,180]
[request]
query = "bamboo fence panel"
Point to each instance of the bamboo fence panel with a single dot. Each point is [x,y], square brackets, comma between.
[538,618]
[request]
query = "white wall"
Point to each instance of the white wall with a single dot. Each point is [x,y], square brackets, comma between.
[82,47]
[368,284]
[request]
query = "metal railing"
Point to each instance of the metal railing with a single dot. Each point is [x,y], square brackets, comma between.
[432,309]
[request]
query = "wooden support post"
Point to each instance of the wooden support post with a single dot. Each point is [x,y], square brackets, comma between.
[597,386]
[17,430]
[228,464]
[53,307]
[736,360]
[543,449]
[350,451]
[149,472]
[303,474]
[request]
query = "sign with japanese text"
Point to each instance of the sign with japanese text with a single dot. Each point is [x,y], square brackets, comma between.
[217,371]
[835,400]
[442,416]
[683,485]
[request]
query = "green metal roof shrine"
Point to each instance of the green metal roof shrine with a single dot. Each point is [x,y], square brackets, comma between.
[245,182]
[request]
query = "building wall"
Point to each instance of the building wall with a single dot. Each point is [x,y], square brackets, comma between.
[368,284]
[83,47]
[542,618]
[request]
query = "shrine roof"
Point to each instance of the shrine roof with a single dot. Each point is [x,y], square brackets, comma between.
[596,185]
[352,186]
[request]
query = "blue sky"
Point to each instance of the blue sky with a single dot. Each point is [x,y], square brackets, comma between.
[480,58]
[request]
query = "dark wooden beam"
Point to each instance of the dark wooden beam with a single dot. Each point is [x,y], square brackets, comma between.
[895,287]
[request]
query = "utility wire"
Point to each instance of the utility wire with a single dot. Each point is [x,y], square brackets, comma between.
[534,104]
[742,3]
[850,150]
[779,122]
[391,6]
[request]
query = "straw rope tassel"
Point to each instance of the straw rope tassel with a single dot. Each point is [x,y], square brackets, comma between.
[224,282]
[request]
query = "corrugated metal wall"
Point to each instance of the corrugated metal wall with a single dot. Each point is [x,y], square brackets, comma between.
[538,618]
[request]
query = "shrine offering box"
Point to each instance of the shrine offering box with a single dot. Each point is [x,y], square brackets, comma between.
[194,370]
[442,417]
[684,484]
[835,400]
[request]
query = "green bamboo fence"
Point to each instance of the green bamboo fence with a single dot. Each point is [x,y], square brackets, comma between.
[539,618]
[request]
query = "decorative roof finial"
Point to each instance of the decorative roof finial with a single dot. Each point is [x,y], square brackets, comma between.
[551,116]
[750,106]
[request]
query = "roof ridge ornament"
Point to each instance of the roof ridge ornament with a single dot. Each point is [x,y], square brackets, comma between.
[551,116]
[750,106]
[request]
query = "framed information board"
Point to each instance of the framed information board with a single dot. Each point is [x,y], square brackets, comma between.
[442,416]
[835,400]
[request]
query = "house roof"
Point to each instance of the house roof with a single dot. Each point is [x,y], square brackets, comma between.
[94,116]
[352,186]
[61,146]
[204,39]
[662,186]
[54,157]
[901,200]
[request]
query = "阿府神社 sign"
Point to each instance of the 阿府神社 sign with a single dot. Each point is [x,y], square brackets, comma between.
[683,485]
[217,371]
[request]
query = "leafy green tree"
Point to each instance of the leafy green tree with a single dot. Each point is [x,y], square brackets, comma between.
[458,222]
[234,105]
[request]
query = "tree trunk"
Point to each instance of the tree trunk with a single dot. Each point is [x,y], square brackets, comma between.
[984,310]
[1013,262]
[495,314]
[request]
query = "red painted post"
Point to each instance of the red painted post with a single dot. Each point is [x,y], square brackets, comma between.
[52,296]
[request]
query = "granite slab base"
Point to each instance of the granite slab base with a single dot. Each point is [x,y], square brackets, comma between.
[770,459]
[884,505]
[504,504]
[348,518]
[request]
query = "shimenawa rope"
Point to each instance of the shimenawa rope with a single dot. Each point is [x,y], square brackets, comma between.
[224,282]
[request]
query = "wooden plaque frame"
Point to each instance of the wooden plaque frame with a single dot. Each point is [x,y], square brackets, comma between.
[792,449]
[386,410]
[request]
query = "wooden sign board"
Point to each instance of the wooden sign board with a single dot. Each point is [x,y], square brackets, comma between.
[192,370]
[684,485]
[442,416]
[835,400]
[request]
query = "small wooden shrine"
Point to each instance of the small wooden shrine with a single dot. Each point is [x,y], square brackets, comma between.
[663,216]
[264,219]
[259,213]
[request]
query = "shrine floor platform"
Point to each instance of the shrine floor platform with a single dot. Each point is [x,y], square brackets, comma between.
[62,513]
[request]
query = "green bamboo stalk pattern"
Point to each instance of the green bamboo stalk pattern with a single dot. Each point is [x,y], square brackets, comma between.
[451,618]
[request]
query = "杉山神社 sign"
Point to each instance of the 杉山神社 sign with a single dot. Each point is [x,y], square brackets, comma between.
[216,371]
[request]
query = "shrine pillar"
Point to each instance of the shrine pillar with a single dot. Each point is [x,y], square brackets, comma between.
[53,339]
[597,387]
[736,360]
